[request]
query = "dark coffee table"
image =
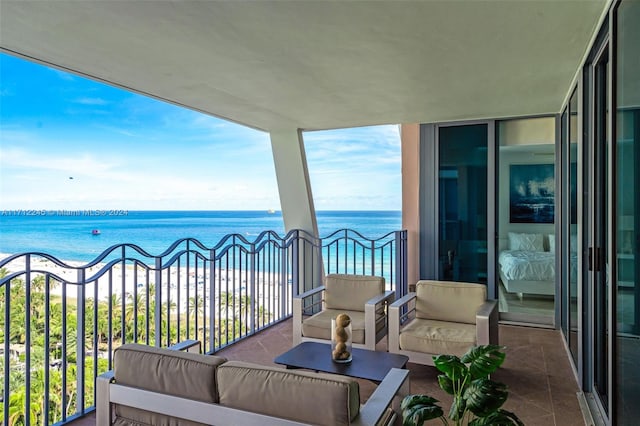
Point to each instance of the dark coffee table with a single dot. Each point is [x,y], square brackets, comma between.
[369,365]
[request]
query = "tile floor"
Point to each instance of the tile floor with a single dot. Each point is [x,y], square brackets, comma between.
[537,370]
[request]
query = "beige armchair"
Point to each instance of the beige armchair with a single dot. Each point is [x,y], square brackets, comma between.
[361,297]
[442,317]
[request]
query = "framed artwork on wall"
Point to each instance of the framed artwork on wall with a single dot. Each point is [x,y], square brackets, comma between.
[532,193]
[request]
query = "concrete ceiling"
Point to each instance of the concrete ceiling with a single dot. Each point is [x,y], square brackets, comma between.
[318,64]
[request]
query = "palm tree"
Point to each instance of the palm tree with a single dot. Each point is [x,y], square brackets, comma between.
[17,401]
[196,307]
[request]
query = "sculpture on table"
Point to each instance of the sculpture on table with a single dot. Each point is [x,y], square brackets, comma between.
[341,338]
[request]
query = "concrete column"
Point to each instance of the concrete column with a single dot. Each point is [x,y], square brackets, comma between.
[296,199]
[410,143]
[296,202]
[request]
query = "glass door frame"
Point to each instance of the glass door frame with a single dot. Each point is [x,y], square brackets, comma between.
[429,196]
[602,51]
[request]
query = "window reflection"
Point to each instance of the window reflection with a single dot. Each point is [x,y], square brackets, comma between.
[627,209]
[526,229]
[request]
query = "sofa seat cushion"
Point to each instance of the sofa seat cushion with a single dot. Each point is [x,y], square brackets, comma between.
[176,373]
[437,337]
[307,397]
[318,326]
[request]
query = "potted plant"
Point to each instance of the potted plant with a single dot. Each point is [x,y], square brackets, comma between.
[476,398]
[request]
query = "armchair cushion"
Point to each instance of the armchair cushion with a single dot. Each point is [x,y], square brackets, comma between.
[351,292]
[437,337]
[318,326]
[449,301]
[307,397]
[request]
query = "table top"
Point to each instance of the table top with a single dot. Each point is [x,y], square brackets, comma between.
[366,364]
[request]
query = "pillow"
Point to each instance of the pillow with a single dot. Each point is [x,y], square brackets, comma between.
[552,243]
[527,242]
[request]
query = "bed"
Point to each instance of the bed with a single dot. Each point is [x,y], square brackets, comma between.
[528,267]
[528,272]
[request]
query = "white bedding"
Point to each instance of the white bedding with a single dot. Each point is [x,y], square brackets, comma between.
[528,265]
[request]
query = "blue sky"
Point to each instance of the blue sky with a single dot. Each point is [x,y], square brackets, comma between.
[126,151]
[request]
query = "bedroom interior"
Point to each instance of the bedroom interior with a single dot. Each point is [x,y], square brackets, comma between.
[526,225]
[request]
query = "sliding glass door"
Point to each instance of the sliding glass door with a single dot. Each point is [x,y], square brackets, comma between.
[599,243]
[462,203]
[627,230]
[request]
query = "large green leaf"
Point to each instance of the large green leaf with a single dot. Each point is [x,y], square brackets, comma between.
[498,418]
[484,360]
[417,414]
[445,384]
[485,396]
[411,400]
[451,366]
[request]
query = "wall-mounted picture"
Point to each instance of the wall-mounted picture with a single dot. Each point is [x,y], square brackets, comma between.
[531,193]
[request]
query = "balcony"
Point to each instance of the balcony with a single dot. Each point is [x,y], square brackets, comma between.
[60,321]
[542,388]
[235,298]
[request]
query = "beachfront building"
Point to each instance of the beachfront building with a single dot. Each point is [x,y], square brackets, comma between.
[520,123]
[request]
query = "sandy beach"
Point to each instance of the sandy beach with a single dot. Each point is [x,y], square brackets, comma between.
[183,283]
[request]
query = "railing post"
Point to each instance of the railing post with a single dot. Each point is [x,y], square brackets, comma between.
[158,307]
[80,352]
[373,257]
[27,325]
[252,285]
[7,358]
[317,263]
[295,263]
[212,301]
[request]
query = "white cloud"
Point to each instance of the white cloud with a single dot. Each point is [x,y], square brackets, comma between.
[130,152]
[355,169]
[91,101]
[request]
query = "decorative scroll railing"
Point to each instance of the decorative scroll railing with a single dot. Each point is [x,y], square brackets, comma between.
[60,321]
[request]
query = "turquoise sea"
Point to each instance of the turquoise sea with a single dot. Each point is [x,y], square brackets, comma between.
[67,234]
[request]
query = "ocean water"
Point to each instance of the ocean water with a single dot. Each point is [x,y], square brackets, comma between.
[67,234]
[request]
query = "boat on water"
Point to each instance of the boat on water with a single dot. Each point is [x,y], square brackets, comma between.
[271,211]
[95,232]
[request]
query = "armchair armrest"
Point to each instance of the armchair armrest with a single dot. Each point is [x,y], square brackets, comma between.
[298,302]
[309,293]
[487,323]
[189,345]
[387,296]
[396,382]
[375,318]
[103,398]
[402,301]
[298,308]
[395,313]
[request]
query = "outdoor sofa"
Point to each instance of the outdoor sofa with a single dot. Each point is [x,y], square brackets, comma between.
[159,386]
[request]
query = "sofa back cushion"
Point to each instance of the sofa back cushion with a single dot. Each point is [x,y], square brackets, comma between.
[449,300]
[351,292]
[183,374]
[307,397]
